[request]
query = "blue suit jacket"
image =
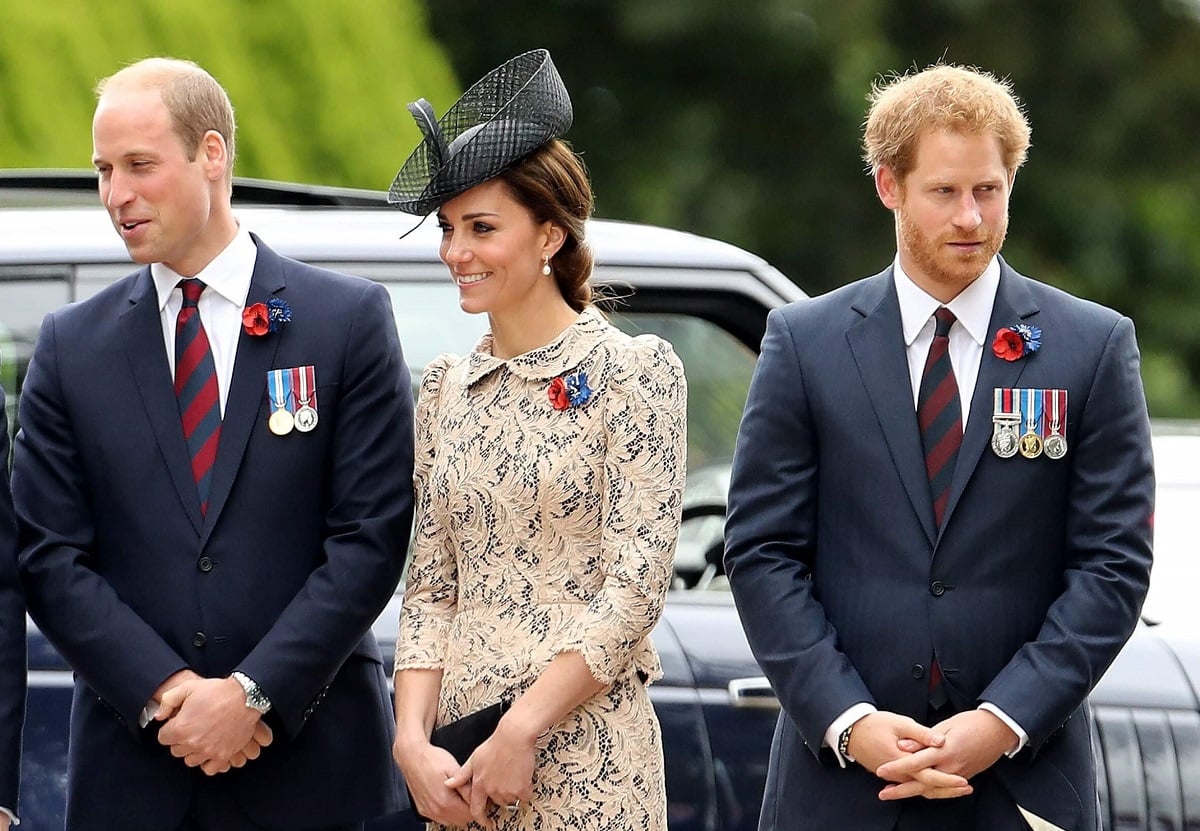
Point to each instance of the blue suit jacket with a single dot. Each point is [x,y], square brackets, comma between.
[302,545]
[846,586]
[12,636]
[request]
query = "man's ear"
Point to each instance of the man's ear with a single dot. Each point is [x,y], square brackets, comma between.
[214,153]
[889,188]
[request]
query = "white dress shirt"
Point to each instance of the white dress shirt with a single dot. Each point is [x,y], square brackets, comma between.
[227,279]
[973,308]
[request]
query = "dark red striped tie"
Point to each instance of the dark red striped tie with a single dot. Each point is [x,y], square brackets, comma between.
[940,417]
[940,414]
[196,389]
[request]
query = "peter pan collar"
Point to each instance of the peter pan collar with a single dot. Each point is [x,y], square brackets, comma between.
[556,358]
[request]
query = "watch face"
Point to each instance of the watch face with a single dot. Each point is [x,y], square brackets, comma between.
[255,698]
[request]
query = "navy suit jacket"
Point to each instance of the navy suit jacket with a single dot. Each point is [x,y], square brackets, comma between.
[302,545]
[846,586]
[12,637]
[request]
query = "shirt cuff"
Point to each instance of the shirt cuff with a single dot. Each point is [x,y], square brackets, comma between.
[11,816]
[843,721]
[1022,736]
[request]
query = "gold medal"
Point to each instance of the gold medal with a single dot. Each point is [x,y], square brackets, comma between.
[1031,441]
[281,422]
[1031,445]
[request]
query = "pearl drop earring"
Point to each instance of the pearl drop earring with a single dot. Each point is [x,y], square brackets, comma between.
[546,266]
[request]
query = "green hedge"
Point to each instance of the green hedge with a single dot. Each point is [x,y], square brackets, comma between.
[319,86]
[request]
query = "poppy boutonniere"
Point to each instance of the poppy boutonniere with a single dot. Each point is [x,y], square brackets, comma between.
[1015,342]
[263,318]
[569,391]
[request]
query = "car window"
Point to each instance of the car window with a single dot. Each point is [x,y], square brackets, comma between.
[26,294]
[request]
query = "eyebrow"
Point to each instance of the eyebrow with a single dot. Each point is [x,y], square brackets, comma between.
[468,217]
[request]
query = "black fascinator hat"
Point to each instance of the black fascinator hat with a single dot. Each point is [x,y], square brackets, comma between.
[510,112]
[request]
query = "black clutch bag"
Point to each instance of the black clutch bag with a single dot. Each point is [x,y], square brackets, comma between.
[461,736]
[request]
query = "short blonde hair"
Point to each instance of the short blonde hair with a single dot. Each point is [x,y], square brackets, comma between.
[194,100]
[942,97]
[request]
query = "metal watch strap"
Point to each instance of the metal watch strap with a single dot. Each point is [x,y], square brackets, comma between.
[844,742]
[256,699]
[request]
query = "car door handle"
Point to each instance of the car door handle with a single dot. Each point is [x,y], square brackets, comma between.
[752,694]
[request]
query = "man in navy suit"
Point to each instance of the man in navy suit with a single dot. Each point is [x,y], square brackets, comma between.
[12,643]
[213,486]
[939,516]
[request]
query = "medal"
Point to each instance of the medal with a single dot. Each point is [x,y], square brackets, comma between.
[281,422]
[1031,441]
[305,384]
[279,394]
[1006,419]
[306,418]
[1055,446]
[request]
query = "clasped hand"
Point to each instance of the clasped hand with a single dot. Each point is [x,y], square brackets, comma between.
[499,773]
[933,762]
[207,723]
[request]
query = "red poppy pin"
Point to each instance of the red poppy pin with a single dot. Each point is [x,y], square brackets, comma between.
[569,391]
[262,318]
[1015,342]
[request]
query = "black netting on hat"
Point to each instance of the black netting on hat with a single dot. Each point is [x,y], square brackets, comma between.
[511,111]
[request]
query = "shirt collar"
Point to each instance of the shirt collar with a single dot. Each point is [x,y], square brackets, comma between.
[228,274]
[972,306]
[558,357]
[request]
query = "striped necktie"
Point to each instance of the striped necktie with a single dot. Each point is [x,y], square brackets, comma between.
[939,414]
[196,389]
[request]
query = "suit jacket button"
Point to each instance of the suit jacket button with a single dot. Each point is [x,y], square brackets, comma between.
[205,564]
[199,639]
[937,588]
[918,671]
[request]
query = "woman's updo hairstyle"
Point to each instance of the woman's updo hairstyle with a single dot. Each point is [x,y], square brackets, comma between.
[552,183]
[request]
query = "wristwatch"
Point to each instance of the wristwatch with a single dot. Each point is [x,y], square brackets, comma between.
[256,699]
[844,742]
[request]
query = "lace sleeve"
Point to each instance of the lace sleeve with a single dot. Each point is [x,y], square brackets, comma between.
[431,590]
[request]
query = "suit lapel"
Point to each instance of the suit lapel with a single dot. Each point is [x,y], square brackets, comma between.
[141,325]
[1014,303]
[247,390]
[877,343]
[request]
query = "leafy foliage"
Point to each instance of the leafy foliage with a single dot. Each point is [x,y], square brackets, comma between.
[319,87]
[742,121]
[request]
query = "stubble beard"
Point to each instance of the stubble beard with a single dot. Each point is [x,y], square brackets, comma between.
[937,262]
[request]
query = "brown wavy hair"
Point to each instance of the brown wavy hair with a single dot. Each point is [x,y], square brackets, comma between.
[942,97]
[552,183]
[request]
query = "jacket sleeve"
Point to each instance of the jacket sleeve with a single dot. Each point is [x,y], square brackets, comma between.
[770,539]
[367,523]
[115,651]
[12,637]
[431,590]
[1110,505]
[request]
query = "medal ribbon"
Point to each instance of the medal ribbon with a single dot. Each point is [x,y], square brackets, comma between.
[279,390]
[1033,411]
[304,379]
[1057,403]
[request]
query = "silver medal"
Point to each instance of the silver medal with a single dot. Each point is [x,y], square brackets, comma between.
[306,418]
[1055,446]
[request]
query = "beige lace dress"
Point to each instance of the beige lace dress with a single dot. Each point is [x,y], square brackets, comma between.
[544,530]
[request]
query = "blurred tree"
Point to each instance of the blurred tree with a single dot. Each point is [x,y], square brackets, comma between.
[742,121]
[319,87]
